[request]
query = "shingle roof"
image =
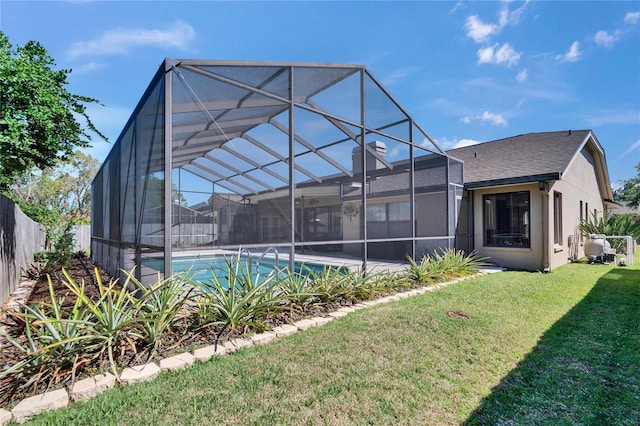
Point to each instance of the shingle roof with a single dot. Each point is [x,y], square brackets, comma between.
[517,157]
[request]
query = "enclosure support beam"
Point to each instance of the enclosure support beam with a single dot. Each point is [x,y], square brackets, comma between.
[292,165]
[168,132]
[363,163]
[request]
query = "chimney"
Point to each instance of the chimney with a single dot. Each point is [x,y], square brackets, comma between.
[372,162]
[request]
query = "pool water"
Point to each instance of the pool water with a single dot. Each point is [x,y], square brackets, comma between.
[202,268]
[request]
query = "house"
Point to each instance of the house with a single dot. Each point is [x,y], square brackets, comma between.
[525,195]
[294,157]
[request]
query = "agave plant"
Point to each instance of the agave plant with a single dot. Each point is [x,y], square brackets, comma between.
[53,342]
[236,301]
[422,272]
[112,314]
[448,264]
[326,284]
[296,289]
[159,308]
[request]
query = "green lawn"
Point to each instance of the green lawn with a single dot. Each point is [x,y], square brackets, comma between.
[557,348]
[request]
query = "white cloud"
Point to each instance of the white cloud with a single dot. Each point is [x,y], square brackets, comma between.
[122,41]
[398,75]
[605,117]
[481,31]
[631,148]
[88,67]
[522,76]
[572,55]
[448,144]
[607,39]
[478,30]
[497,55]
[466,142]
[603,38]
[632,18]
[495,119]
[458,5]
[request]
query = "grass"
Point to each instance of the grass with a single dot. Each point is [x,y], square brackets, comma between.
[558,348]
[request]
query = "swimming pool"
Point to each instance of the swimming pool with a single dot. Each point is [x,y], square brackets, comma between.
[202,268]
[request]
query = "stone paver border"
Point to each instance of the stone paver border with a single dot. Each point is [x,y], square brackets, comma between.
[88,388]
[47,401]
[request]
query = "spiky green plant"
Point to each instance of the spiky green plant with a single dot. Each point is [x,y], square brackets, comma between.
[296,288]
[620,225]
[53,342]
[448,264]
[614,225]
[236,302]
[159,309]
[326,285]
[113,316]
[423,272]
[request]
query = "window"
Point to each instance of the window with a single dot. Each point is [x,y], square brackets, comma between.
[506,219]
[389,220]
[399,211]
[581,220]
[377,213]
[270,228]
[586,212]
[323,223]
[557,218]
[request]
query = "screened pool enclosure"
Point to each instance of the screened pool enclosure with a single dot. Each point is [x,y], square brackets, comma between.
[294,158]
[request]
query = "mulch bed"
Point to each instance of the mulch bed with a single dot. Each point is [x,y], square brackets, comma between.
[81,270]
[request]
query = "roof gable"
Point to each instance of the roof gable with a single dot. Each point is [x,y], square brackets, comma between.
[532,157]
[531,154]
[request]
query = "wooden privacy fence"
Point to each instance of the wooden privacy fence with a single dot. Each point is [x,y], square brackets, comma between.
[20,239]
[82,237]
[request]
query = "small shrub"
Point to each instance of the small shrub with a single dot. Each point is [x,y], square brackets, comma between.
[159,309]
[439,267]
[237,302]
[53,342]
[113,316]
[296,289]
[34,272]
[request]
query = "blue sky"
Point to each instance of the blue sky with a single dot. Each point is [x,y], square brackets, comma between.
[466,71]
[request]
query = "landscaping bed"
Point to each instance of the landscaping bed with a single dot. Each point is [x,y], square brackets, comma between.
[88,329]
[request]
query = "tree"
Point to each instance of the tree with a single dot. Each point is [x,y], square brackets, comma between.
[38,124]
[64,189]
[630,191]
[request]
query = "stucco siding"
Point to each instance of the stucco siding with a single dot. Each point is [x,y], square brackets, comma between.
[580,191]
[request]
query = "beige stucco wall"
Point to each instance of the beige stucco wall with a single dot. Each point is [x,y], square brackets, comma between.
[578,183]
[512,257]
